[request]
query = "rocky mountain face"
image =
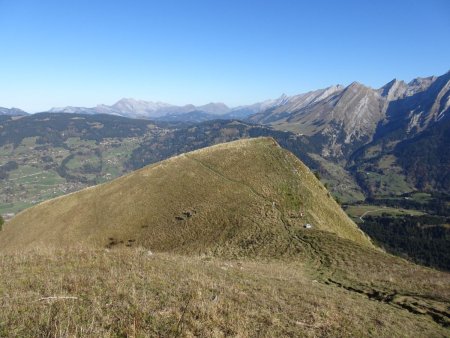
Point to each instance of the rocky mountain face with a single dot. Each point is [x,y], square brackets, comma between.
[338,118]
[12,111]
[371,133]
[417,105]
[342,119]
[424,158]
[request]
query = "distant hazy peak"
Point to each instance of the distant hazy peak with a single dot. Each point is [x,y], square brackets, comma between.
[283,99]
[139,104]
[68,109]
[12,111]
[393,90]
[214,108]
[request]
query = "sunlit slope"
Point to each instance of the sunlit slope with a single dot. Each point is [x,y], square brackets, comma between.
[210,241]
[127,292]
[242,197]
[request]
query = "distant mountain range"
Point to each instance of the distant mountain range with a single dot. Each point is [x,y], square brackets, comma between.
[383,141]
[12,111]
[128,107]
[351,113]
[132,108]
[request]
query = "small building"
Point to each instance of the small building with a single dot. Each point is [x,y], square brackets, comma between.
[307,226]
[8,216]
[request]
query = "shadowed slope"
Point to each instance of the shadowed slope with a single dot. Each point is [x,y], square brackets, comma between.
[235,198]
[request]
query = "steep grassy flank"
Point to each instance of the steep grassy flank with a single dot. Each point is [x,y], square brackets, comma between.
[236,198]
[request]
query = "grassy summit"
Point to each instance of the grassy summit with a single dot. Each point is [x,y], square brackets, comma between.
[239,197]
[210,243]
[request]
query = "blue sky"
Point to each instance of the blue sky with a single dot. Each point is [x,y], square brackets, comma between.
[79,52]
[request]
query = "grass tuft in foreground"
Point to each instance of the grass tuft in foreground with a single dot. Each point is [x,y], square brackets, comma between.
[135,293]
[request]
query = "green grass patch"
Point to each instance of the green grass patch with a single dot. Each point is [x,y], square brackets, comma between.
[387,183]
[357,211]
[421,197]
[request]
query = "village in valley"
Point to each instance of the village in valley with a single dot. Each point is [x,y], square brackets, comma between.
[38,172]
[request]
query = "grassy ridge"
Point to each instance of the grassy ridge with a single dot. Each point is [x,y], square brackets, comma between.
[236,197]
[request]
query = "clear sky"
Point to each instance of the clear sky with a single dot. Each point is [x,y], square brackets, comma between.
[86,52]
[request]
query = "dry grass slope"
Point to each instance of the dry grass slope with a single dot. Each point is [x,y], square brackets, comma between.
[229,257]
[129,293]
[234,197]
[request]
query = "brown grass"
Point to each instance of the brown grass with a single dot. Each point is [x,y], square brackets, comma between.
[127,292]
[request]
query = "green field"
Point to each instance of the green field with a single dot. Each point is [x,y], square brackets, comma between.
[356,212]
[389,182]
[421,197]
[37,177]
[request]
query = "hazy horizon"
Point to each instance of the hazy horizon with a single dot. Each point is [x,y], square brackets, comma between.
[207,102]
[84,53]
